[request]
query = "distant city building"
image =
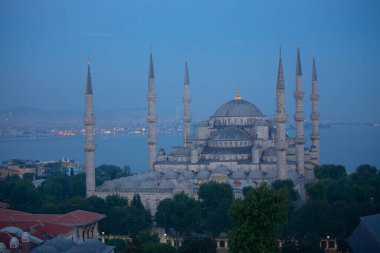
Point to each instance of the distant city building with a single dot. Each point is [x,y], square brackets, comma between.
[238,145]
[18,167]
[36,168]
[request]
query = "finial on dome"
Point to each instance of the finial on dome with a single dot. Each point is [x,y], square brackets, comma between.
[237,91]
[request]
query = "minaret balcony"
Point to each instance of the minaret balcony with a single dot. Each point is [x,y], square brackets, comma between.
[315,136]
[299,116]
[89,121]
[314,116]
[298,95]
[299,140]
[89,147]
[186,100]
[151,98]
[151,119]
[314,98]
[281,118]
[187,119]
[151,142]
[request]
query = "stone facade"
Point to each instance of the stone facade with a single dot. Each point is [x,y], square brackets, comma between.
[238,145]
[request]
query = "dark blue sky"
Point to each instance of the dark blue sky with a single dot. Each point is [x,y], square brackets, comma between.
[44,47]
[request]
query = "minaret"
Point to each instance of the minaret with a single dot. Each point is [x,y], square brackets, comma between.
[186,107]
[89,145]
[280,123]
[299,117]
[152,140]
[314,116]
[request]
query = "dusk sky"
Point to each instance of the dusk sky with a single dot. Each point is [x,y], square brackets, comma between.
[44,47]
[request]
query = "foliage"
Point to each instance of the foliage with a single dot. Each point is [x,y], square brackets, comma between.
[216,199]
[288,185]
[136,202]
[120,245]
[124,219]
[108,172]
[152,247]
[330,171]
[258,219]
[61,194]
[181,213]
[146,236]
[198,245]
[334,205]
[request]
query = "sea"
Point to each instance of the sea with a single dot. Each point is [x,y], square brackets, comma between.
[347,145]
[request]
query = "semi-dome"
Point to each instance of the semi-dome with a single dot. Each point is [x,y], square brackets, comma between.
[238,108]
[230,133]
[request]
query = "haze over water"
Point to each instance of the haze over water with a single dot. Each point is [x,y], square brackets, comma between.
[350,146]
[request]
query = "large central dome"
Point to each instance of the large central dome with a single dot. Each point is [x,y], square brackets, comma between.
[238,108]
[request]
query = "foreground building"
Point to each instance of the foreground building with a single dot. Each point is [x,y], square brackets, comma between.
[238,145]
[77,226]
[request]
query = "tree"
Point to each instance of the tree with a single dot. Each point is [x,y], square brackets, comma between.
[288,185]
[120,245]
[216,199]
[136,202]
[24,197]
[181,213]
[330,171]
[146,236]
[258,219]
[152,247]
[124,219]
[198,245]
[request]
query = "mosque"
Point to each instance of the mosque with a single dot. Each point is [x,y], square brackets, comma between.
[238,145]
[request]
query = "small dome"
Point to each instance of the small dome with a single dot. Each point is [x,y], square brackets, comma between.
[222,169]
[147,184]
[61,244]
[203,174]
[256,174]
[238,108]
[230,133]
[161,152]
[93,245]
[165,184]
[170,175]
[238,175]
[188,174]
[44,249]
[154,175]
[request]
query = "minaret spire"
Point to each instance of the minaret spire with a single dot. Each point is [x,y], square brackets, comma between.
[314,116]
[237,91]
[299,117]
[152,119]
[89,145]
[186,107]
[281,118]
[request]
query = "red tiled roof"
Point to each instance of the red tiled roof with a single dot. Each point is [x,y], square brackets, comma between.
[75,218]
[36,217]
[42,230]
[78,218]
[8,214]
